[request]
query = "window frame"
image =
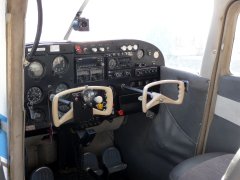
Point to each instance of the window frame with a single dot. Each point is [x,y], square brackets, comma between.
[226,46]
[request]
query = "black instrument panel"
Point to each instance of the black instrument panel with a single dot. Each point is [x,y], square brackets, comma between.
[59,66]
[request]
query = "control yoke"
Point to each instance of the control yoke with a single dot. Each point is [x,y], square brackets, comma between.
[157,98]
[70,114]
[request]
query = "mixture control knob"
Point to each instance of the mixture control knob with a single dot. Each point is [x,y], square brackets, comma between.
[98,99]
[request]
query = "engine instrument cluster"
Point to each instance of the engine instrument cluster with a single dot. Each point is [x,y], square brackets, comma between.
[59,66]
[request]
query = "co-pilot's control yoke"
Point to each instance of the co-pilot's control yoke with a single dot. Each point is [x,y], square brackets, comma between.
[157,98]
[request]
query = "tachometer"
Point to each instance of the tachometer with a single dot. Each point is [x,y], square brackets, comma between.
[35,69]
[60,65]
[34,95]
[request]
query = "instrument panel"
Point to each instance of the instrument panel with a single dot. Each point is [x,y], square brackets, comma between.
[57,66]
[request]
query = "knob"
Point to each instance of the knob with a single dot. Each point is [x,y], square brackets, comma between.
[102,49]
[124,48]
[118,74]
[98,99]
[127,73]
[156,54]
[129,47]
[94,49]
[135,47]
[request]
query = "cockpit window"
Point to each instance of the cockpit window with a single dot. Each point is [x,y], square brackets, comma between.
[235,59]
[178,28]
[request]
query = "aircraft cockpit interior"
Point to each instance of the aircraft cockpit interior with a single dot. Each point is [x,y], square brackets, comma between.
[75,91]
[82,86]
[106,109]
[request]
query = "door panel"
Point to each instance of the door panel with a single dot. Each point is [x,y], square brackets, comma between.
[2,177]
[152,147]
[189,115]
[224,132]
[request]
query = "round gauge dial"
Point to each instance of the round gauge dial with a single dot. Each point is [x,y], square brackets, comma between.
[34,95]
[112,63]
[60,65]
[35,69]
[61,87]
[140,54]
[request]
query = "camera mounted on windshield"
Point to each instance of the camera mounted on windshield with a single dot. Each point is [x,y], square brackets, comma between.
[81,24]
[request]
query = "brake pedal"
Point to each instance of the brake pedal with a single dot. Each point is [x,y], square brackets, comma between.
[112,160]
[91,163]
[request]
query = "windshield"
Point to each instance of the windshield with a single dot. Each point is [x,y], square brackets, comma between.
[177,28]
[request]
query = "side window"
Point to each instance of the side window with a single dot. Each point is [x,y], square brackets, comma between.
[188,35]
[235,59]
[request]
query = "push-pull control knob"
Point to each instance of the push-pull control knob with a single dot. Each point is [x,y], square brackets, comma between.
[124,48]
[98,99]
[102,49]
[94,49]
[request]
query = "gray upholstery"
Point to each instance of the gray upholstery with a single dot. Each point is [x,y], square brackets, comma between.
[2,177]
[152,147]
[43,173]
[233,172]
[229,141]
[211,166]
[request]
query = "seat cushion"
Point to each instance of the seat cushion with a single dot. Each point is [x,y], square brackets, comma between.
[210,166]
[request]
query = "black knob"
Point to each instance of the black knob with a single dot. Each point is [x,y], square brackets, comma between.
[118,74]
[128,73]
